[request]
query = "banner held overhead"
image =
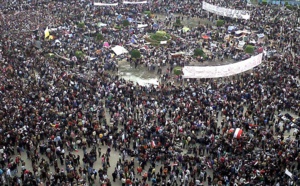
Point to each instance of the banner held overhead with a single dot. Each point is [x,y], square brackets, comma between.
[227,12]
[105,4]
[221,71]
[132,2]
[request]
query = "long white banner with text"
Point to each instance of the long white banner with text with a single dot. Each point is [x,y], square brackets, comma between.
[106,4]
[221,71]
[116,4]
[233,13]
[133,2]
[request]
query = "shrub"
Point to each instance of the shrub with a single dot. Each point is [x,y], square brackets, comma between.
[249,49]
[177,71]
[199,52]
[81,25]
[126,23]
[220,23]
[99,37]
[79,54]
[135,54]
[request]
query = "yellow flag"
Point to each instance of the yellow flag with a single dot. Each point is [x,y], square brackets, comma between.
[47,32]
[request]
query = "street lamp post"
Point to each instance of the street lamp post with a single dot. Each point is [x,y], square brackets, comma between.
[298,12]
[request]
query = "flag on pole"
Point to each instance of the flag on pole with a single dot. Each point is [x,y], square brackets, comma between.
[47,33]
[238,133]
[153,144]
[287,172]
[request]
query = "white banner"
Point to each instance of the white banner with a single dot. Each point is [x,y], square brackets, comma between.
[134,3]
[142,25]
[287,172]
[106,4]
[221,71]
[238,14]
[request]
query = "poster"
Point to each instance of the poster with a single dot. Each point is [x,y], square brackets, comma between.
[221,71]
[226,12]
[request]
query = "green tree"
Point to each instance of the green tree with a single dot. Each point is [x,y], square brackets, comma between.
[249,49]
[177,23]
[126,23]
[99,37]
[177,71]
[220,23]
[136,54]
[290,7]
[199,52]
[79,54]
[81,25]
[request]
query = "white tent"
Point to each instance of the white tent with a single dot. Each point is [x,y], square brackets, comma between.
[118,50]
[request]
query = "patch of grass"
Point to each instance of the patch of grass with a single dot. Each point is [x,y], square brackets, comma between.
[153,42]
[160,36]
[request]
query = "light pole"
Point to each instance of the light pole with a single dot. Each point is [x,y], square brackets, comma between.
[298,12]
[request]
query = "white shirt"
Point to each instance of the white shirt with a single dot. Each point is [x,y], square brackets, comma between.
[8,173]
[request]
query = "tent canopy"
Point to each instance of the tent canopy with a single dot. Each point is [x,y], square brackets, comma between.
[106,44]
[185,29]
[118,50]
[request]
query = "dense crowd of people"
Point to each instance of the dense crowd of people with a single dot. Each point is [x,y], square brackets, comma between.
[176,133]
